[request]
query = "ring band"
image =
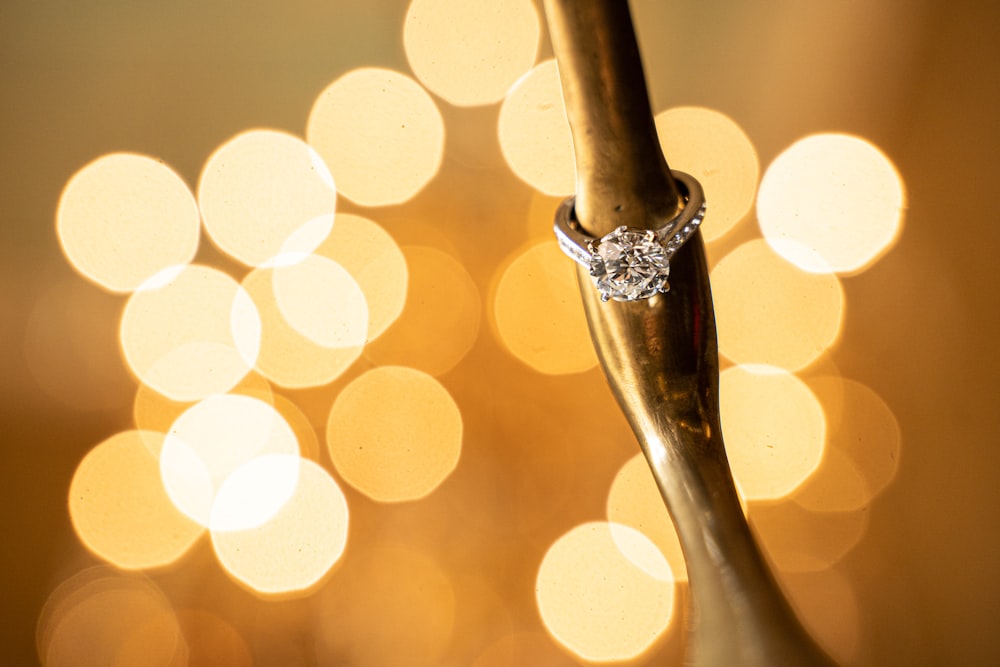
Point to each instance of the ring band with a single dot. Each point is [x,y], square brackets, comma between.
[631,264]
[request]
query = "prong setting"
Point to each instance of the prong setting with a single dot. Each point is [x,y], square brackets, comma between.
[631,264]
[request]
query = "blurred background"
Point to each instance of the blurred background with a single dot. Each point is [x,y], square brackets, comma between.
[293,372]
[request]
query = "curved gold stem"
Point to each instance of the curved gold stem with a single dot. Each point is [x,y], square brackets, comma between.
[660,355]
[622,177]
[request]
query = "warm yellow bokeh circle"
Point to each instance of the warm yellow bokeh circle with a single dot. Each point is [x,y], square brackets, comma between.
[598,603]
[380,134]
[375,261]
[534,132]
[634,500]
[470,52]
[213,439]
[774,429]
[123,218]
[152,411]
[120,509]
[190,332]
[211,640]
[320,300]
[828,607]
[101,616]
[440,321]
[266,197]
[864,447]
[715,150]
[769,311]
[60,344]
[836,196]
[288,357]
[796,539]
[538,313]
[394,434]
[298,545]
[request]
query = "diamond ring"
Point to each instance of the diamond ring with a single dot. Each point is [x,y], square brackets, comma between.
[630,264]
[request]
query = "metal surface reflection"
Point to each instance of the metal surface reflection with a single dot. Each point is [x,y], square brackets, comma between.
[660,355]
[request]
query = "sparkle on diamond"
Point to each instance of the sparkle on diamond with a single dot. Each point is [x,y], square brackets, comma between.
[629,264]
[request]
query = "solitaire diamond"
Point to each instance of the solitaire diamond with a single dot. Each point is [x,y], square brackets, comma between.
[629,264]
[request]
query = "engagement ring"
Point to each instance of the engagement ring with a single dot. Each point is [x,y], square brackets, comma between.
[630,264]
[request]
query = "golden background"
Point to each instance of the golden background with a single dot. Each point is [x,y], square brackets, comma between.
[919,79]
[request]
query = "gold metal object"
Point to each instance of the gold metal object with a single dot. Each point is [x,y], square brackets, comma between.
[660,355]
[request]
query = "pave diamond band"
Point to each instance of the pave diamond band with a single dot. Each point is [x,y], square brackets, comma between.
[630,264]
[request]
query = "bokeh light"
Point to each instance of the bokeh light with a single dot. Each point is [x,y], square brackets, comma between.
[774,428]
[394,433]
[216,446]
[440,320]
[770,312]
[470,52]
[305,433]
[393,605]
[380,134]
[837,485]
[193,334]
[828,608]
[538,313]
[123,218]
[287,357]
[523,648]
[715,150]
[799,540]
[375,261]
[296,547]
[836,195]
[870,434]
[120,509]
[634,500]
[61,351]
[599,604]
[266,197]
[103,617]
[210,441]
[404,521]
[534,132]
[865,440]
[254,492]
[152,411]
[151,644]
[212,641]
[320,300]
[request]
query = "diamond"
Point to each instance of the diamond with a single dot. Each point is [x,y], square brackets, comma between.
[629,264]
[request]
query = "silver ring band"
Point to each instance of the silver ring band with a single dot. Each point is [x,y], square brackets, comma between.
[630,264]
